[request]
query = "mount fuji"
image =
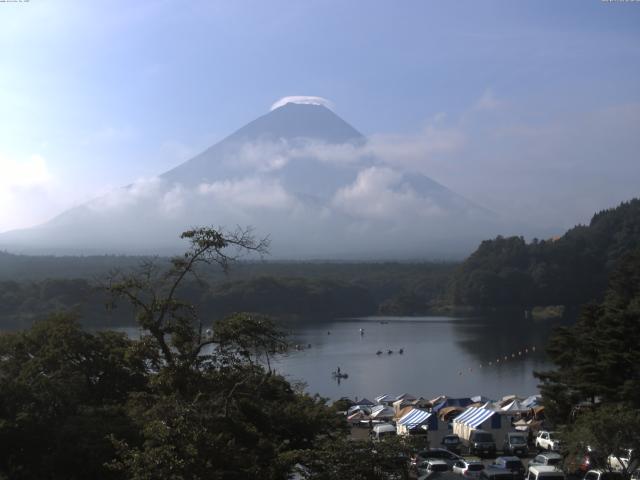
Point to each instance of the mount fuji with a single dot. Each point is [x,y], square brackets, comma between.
[299,174]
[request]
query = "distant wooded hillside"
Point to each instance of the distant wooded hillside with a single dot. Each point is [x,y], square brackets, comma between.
[32,287]
[570,270]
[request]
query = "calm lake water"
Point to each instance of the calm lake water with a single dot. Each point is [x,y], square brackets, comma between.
[441,356]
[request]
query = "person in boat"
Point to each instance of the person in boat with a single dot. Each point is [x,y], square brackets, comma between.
[401,351]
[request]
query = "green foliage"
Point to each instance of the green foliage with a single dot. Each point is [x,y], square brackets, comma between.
[598,357]
[337,459]
[277,289]
[278,296]
[570,270]
[608,429]
[182,402]
[594,392]
[62,392]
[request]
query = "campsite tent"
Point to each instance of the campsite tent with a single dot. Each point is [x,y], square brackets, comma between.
[359,408]
[514,407]
[386,399]
[356,417]
[382,411]
[480,419]
[415,419]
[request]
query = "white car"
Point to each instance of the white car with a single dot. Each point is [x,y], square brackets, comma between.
[621,461]
[547,440]
[602,475]
[469,467]
[547,459]
[545,472]
[432,466]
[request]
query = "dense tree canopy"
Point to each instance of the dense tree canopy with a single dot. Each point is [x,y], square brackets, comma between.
[185,401]
[594,392]
[570,270]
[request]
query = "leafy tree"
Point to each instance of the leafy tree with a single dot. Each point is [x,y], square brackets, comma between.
[213,410]
[608,429]
[356,460]
[598,370]
[62,392]
[182,402]
[569,270]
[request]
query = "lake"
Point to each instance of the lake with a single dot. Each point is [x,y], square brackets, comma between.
[453,356]
[442,355]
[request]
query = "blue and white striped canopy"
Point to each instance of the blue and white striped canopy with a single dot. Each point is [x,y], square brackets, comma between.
[414,418]
[474,416]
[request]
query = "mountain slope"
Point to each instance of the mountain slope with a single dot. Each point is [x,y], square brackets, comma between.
[300,174]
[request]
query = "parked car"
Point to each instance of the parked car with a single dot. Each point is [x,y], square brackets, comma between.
[547,440]
[451,443]
[492,473]
[515,443]
[621,460]
[432,466]
[383,430]
[547,459]
[513,464]
[545,472]
[481,443]
[581,462]
[469,467]
[601,474]
[436,454]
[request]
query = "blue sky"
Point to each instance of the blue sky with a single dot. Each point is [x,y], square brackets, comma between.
[540,100]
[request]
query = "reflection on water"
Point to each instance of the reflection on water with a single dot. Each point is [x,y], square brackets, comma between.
[441,355]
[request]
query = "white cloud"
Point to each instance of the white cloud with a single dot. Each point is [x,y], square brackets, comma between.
[249,193]
[141,189]
[302,99]
[26,192]
[27,173]
[380,193]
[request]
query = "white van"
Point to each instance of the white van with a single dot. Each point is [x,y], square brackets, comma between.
[545,472]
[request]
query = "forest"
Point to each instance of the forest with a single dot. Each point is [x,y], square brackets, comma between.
[506,272]
[569,270]
[75,284]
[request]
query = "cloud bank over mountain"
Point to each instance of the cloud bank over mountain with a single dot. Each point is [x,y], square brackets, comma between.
[299,174]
